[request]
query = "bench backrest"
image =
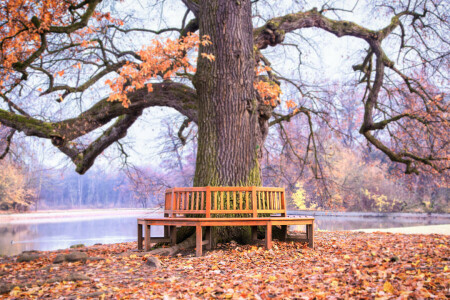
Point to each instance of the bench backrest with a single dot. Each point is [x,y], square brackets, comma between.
[210,201]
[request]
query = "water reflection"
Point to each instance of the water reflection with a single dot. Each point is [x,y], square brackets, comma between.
[52,234]
[15,238]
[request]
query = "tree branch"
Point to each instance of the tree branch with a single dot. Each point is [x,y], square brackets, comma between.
[8,143]
[169,94]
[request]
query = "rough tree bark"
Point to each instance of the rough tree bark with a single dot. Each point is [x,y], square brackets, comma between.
[231,131]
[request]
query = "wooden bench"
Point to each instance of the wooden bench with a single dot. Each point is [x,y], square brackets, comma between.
[219,206]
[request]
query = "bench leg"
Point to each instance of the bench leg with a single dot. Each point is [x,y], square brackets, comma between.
[166,231]
[269,236]
[147,237]
[139,232]
[198,240]
[208,237]
[254,233]
[173,235]
[310,235]
[283,232]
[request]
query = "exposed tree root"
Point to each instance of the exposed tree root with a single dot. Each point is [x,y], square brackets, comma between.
[173,250]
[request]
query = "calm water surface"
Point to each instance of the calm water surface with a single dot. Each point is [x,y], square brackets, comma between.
[53,234]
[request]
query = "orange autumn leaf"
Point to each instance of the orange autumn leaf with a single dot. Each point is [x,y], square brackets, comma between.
[290,104]
[269,92]
[166,58]
[209,57]
[388,288]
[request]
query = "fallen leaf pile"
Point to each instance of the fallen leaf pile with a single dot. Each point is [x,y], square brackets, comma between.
[343,265]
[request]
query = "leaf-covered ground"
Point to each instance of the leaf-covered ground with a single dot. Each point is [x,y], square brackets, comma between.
[343,265]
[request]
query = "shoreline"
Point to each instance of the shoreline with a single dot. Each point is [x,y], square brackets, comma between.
[443,229]
[98,212]
[76,213]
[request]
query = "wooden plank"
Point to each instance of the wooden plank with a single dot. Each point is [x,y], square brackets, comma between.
[240,200]
[278,200]
[197,201]
[201,200]
[227,199]
[310,235]
[166,231]
[198,240]
[177,201]
[234,200]
[208,202]
[272,200]
[139,232]
[173,235]
[173,204]
[283,204]
[182,200]
[186,200]
[264,199]
[166,204]
[269,236]
[275,201]
[147,237]
[227,221]
[255,207]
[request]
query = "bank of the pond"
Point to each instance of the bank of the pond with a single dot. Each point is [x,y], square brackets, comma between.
[430,229]
[359,214]
[76,213]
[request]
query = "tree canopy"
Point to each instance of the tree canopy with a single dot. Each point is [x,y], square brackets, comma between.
[89,68]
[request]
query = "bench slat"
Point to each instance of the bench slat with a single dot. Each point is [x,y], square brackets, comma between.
[240,200]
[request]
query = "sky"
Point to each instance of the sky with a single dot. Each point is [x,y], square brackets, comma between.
[327,56]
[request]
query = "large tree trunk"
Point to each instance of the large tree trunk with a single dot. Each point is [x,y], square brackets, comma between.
[230,135]
[231,131]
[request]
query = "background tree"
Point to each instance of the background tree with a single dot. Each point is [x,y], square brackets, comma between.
[93,82]
[15,192]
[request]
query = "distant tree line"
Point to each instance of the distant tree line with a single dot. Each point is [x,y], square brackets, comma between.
[337,174]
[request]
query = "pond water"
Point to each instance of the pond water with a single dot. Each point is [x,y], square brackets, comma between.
[53,234]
